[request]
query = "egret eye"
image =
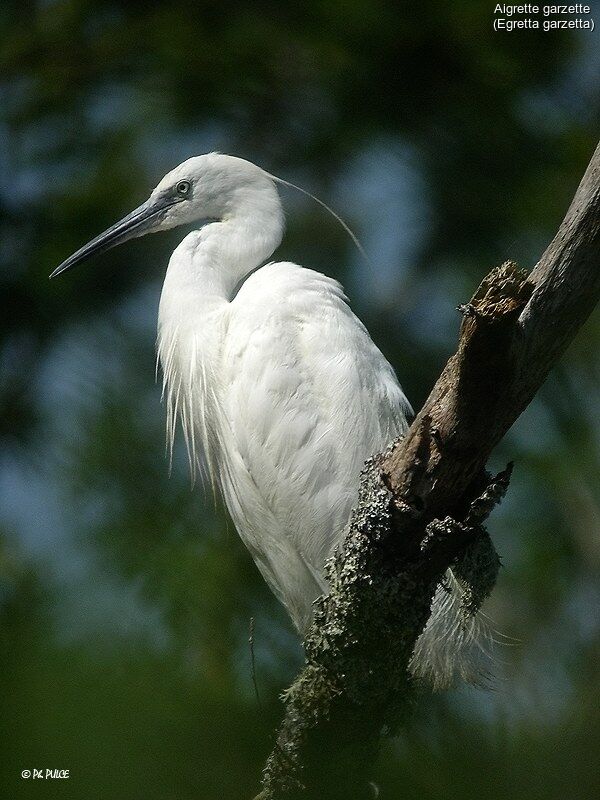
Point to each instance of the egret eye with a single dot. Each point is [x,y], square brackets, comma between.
[183,188]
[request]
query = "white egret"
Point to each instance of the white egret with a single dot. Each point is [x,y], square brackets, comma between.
[280,391]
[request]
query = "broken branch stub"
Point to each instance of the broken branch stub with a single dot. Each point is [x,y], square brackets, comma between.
[430,471]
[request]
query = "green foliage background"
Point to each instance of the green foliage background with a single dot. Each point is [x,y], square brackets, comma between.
[125,598]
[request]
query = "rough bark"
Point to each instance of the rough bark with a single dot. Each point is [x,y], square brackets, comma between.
[422,506]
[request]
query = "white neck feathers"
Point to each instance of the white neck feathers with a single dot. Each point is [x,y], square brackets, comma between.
[203,276]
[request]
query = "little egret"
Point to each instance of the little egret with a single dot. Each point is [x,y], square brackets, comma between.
[280,391]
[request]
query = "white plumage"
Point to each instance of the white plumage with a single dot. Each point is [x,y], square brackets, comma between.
[281,393]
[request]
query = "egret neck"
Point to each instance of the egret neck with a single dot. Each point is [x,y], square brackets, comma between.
[210,263]
[203,277]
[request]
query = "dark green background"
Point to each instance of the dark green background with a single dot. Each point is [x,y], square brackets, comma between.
[125,598]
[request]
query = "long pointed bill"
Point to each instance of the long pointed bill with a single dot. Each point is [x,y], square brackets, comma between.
[142,220]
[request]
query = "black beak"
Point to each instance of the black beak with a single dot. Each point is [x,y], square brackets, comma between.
[142,220]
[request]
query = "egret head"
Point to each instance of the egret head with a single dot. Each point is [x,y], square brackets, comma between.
[211,186]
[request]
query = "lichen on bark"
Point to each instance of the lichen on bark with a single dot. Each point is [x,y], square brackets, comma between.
[355,685]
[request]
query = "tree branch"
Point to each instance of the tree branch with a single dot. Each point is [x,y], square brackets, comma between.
[421,506]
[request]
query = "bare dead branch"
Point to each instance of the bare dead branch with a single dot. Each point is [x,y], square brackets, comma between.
[421,507]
